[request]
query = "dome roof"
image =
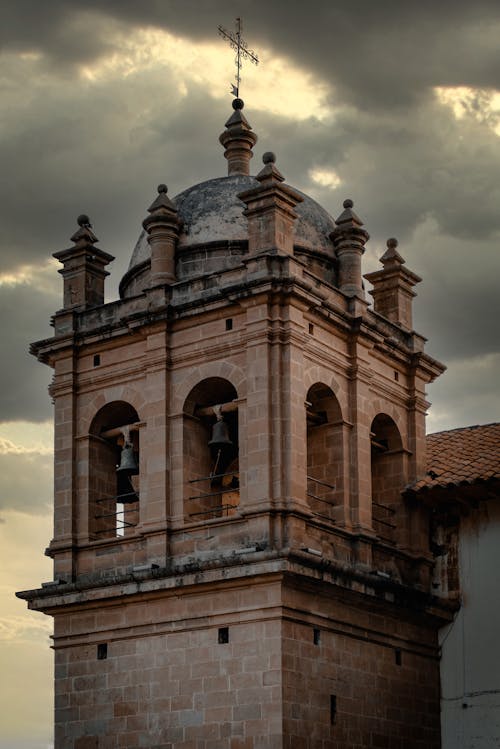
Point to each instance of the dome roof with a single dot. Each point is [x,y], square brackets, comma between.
[212,214]
[214,230]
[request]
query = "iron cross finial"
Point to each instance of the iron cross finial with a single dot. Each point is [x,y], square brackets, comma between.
[239,44]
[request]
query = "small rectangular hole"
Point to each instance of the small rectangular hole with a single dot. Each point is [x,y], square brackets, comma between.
[396,376]
[97,360]
[311,328]
[398,656]
[223,636]
[316,636]
[102,651]
[229,324]
[333,709]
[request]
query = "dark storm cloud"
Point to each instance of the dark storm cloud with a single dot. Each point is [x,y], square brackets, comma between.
[25,315]
[467,393]
[379,54]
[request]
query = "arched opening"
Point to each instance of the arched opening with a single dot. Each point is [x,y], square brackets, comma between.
[114,481]
[325,451]
[211,450]
[387,475]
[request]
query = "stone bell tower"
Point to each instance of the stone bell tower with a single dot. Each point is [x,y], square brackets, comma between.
[234,564]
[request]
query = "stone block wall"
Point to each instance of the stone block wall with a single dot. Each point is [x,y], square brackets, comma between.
[265,666]
[345,690]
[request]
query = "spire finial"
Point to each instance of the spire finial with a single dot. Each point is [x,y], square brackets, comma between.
[238,141]
[242,52]
[391,256]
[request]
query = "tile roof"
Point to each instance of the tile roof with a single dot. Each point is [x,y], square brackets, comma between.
[461,457]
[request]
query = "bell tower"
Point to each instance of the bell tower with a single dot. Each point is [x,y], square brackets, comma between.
[235,566]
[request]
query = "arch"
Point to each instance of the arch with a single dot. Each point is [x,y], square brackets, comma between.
[89,409]
[210,449]
[382,407]
[316,374]
[183,385]
[387,477]
[325,452]
[114,481]
[209,392]
[112,415]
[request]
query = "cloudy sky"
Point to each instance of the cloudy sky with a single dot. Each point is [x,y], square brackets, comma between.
[395,104]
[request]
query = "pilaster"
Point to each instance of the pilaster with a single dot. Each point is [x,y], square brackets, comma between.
[63,390]
[155,447]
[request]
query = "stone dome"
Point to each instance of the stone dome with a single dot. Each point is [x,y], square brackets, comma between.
[214,230]
[214,233]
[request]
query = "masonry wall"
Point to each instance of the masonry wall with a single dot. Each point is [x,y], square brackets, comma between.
[194,671]
[358,679]
[266,666]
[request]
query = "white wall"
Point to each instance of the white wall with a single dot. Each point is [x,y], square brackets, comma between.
[470,663]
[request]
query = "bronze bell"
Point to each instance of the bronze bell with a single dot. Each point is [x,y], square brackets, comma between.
[220,436]
[128,461]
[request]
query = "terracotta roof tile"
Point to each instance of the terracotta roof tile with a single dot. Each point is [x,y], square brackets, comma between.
[461,456]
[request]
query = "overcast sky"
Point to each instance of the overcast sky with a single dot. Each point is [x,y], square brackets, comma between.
[393,104]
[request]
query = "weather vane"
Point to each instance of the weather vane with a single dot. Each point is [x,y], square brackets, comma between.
[238,43]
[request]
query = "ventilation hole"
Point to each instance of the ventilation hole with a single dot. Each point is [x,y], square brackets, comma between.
[97,360]
[311,328]
[102,651]
[223,636]
[316,636]
[398,656]
[396,376]
[333,709]
[229,324]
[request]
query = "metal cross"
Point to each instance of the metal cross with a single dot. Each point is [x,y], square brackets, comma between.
[239,44]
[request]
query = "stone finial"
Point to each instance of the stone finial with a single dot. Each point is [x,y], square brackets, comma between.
[162,203]
[238,140]
[162,226]
[84,234]
[270,174]
[83,268]
[270,211]
[391,256]
[392,287]
[349,240]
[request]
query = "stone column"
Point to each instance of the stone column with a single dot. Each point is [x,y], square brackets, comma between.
[349,240]
[162,227]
